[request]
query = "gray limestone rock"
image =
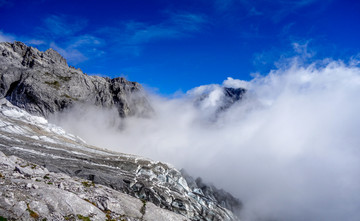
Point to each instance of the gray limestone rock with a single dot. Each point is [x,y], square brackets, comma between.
[157,184]
[78,199]
[42,83]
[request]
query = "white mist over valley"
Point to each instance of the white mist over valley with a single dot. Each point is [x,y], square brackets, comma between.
[289,149]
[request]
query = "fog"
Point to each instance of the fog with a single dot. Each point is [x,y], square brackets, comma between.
[290,149]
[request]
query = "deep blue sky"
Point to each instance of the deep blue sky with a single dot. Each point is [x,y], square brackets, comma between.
[177,45]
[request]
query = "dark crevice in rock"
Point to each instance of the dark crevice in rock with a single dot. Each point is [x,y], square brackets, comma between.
[12,88]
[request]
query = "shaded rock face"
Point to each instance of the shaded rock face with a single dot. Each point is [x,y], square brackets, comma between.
[224,198]
[232,95]
[35,140]
[42,83]
[214,100]
[217,99]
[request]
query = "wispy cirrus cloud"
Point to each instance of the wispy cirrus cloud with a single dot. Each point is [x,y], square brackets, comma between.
[4,37]
[188,21]
[282,8]
[139,33]
[67,35]
[176,26]
[77,41]
[79,48]
[7,37]
[223,5]
[276,10]
[131,36]
[62,25]
[36,42]
[71,54]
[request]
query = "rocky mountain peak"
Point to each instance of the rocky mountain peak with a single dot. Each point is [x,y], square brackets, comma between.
[55,56]
[20,53]
[19,47]
[42,83]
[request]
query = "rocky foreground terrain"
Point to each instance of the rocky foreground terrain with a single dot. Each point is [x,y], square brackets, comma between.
[57,176]
[33,138]
[30,192]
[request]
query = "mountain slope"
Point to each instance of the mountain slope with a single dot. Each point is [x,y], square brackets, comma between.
[30,192]
[33,139]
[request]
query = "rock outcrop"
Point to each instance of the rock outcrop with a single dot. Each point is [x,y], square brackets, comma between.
[30,192]
[232,95]
[215,100]
[35,140]
[42,83]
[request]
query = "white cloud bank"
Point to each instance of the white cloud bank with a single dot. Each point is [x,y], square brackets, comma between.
[290,150]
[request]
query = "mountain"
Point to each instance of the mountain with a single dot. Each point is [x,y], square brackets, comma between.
[50,164]
[214,100]
[42,83]
[219,98]
[32,138]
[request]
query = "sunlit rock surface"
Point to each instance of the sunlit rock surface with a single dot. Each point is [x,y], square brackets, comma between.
[35,140]
[30,192]
[42,83]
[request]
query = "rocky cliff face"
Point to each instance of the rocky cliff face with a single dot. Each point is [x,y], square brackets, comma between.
[42,83]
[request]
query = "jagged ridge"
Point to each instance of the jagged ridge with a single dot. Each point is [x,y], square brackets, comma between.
[42,83]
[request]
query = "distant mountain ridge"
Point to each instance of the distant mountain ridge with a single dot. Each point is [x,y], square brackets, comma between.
[42,83]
